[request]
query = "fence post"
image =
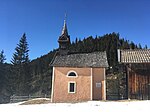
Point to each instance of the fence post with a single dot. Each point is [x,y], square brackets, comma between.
[29,97]
[149,91]
[11,98]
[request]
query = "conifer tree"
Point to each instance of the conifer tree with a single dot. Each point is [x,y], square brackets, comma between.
[139,46]
[21,52]
[21,61]
[2,57]
[145,47]
[132,45]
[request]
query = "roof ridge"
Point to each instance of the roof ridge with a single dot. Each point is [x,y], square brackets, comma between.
[87,52]
[135,49]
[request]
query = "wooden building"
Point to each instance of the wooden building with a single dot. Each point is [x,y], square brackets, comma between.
[137,64]
[77,76]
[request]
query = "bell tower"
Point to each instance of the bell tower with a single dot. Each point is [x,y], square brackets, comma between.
[64,40]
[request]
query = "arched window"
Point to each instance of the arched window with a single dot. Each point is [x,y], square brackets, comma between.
[72,74]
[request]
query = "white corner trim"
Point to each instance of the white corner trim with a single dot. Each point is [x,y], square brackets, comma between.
[104,84]
[53,78]
[119,55]
[91,84]
[69,86]
[72,76]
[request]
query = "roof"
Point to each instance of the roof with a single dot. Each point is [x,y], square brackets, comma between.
[95,59]
[134,56]
[64,35]
[64,31]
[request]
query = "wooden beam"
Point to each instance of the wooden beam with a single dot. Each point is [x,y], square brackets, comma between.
[128,87]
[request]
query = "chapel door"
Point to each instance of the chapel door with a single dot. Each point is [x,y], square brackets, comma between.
[97,87]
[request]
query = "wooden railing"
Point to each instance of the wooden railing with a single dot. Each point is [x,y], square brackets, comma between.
[15,99]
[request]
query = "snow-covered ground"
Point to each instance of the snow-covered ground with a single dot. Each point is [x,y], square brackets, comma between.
[91,106]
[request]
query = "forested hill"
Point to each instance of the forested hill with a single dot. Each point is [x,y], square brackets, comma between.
[34,78]
[109,43]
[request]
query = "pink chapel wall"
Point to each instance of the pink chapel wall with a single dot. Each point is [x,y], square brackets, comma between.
[83,84]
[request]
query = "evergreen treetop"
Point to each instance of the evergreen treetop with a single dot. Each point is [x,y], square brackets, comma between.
[2,57]
[21,52]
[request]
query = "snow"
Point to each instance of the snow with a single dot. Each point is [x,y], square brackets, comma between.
[91,106]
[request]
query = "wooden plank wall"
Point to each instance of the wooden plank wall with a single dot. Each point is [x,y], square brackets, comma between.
[139,85]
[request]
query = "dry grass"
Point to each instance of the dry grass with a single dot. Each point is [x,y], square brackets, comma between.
[37,101]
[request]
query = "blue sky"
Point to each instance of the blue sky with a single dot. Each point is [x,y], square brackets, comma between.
[42,21]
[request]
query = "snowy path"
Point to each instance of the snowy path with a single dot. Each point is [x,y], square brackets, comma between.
[91,106]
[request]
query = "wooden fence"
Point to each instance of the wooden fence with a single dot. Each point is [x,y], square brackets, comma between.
[15,99]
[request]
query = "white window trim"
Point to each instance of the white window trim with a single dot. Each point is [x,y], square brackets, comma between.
[72,76]
[69,86]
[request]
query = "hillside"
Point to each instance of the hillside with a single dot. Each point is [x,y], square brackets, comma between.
[35,78]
